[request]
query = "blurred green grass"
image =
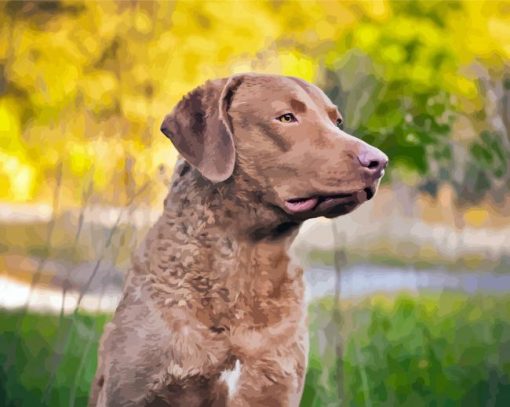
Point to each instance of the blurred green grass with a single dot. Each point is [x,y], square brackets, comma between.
[432,350]
[33,345]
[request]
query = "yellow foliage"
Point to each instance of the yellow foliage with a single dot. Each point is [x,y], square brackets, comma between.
[296,64]
[483,32]
[90,88]
[10,128]
[99,90]
[476,216]
[17,178]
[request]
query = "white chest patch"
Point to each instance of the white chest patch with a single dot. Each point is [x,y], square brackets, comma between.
[231,378]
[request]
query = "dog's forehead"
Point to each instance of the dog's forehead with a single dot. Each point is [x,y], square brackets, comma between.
[314,92]
[285,89]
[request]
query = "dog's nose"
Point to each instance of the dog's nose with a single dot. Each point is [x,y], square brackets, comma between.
[374,160]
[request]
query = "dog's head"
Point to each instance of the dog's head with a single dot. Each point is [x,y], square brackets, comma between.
[284,135]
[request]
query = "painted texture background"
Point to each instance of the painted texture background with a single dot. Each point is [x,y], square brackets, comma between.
[409,296]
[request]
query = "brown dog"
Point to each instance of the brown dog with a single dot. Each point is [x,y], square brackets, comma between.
[213,312]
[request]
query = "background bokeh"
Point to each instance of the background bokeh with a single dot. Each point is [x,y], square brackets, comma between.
[409,296]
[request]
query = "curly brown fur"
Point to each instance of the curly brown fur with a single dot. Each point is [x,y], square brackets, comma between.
[212,289]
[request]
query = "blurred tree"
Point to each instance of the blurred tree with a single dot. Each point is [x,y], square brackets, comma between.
[86,83]
[392,82]
[405,82]
[486,169]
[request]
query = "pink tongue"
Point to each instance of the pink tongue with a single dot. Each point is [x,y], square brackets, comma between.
[302,206]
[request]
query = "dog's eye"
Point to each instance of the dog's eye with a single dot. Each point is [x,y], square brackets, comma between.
[340,124]
[287,118]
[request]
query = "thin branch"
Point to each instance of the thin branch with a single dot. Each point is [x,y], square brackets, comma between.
[339,260]
[10,360]
[364,378]
[59,345]
[130,207]
[90,340]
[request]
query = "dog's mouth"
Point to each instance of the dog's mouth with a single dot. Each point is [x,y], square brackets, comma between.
[322,203]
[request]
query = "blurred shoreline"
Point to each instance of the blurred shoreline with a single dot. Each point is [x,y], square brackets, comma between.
[356,282]
[87,250]
[379,231]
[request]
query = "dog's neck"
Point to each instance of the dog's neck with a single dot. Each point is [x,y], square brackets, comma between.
[232,208]
[215,242]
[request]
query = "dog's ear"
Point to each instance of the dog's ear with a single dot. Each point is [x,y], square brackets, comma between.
[200,129]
